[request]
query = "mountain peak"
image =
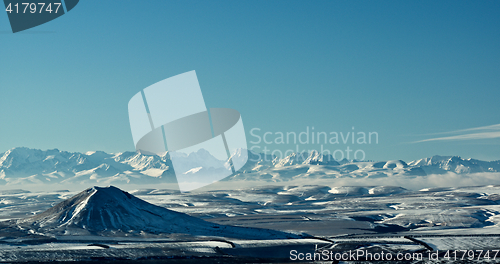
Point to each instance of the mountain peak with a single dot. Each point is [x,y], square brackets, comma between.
[109,210]
[100,209]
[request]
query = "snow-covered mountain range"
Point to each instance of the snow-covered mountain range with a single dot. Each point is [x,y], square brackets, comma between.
[24,165]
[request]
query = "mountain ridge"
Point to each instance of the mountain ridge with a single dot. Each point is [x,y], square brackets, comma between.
[24,165]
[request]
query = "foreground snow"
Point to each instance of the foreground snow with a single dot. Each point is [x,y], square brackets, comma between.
[175,225]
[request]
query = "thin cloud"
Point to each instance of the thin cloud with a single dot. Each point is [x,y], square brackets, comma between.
[487,132]
[449,179]
[492,127]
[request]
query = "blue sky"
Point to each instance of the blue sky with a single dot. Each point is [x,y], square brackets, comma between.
[414,72]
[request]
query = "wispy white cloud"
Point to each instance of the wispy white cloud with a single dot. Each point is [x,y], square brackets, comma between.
[414,183]
[485,132]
